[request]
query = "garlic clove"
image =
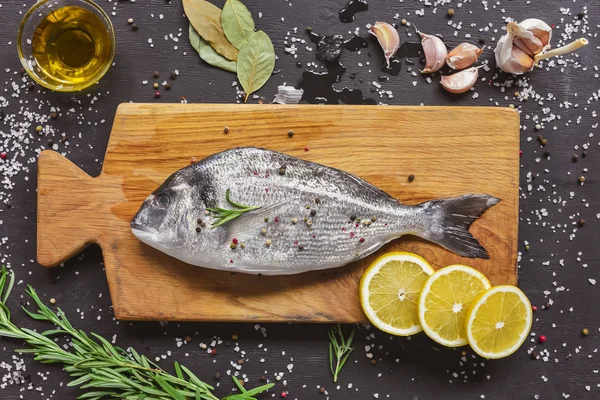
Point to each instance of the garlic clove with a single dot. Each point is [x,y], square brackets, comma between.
[511,58]
[539,29]
[388,39]
[460,82]
[435,52]
[530,46]
[463,56]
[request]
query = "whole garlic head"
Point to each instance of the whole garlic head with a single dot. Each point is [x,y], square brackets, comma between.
[515,50]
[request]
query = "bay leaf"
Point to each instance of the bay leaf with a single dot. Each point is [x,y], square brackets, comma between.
[237,22]
[208,54]
[255,62]
[206,20]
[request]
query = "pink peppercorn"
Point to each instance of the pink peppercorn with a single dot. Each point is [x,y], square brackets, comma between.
[213,351]
[3,155]
[362,240]
[235,241]
[542,338]
[283,395]
[157,94]
[534,308]
[520,153]
[306,149]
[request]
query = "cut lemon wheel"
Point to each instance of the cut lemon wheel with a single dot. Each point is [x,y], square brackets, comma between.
[498,321]
[444,302]
[389,292]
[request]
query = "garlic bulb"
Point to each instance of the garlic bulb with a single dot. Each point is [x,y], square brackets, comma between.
[435,52]
[388,39]
[462,81]
[463,56]
[526,43]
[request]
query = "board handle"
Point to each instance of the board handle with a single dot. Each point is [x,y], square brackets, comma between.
[72,208]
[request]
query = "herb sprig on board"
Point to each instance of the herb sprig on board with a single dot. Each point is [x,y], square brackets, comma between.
[104,370]
[339,350]
[224,215]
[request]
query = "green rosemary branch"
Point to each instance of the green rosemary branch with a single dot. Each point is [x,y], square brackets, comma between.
[224,215]
[339,350]
[104,370]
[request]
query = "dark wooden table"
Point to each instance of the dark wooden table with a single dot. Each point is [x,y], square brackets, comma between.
[556,272]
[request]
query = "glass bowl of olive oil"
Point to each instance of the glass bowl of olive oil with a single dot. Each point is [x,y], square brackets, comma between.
[66,45]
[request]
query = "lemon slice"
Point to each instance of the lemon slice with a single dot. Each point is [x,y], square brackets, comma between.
[389,292]
[498,321]
[444,301]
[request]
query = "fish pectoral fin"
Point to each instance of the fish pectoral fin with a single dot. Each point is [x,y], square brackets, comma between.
[250,223]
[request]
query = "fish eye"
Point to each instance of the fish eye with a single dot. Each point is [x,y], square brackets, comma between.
[162,200]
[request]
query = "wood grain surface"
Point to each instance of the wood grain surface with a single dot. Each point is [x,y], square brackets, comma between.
[447,153]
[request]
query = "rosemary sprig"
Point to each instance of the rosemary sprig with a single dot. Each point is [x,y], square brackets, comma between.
[224,215]
[339,350]
[105,370]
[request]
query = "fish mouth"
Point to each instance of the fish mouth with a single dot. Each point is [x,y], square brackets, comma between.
[144,234]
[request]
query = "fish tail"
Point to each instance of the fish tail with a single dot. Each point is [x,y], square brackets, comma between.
[448,222]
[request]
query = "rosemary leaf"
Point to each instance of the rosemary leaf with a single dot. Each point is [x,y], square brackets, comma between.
[95,364]
[339,350]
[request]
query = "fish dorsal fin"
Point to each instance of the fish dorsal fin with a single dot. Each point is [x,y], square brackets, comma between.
[250,223]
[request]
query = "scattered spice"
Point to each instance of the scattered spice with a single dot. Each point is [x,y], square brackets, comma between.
[198,229]
[233,246]
[542,339]
[268,242]
[156,74]
[130,21]
[317,200]
[322,390]
[581,222]
[290,133]
[306,149]
[450,12]
[581,179]
[155,85]
[167,86]
[309,222]
[313,213]
[53,115]
[226,129]
[585,332]
[157,94]
[282,170]
[543,141]
[234,336]
[53,301]
[134,26]
[353,218]
[39,128]
[294,220]
[217,376]
[362,240]
[533,355]
[263,378]
[411,178]
[534,308]
[263,231]
[575,158]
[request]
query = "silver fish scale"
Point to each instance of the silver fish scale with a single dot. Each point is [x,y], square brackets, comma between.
[331,240]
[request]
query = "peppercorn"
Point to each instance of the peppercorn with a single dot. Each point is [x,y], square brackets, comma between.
[585,332]
[411,178]
[134,26]
[543,141]
[283,395]
[534,308]
[8,204]
[581,222]
[313,213]
[290,133]
[226,129]
[546,154]
[584,154]
[373,361]
[233,246]
[268,242]
[157,94]
[53,301]
[240,361]
[580,15]
[300,247]
[317,200]
[403,21]
[548,305]
[451,12]
[30,86]
[263,231]
[373,219]
[526,247]
[217,376]
[575,158]
[322,389]
[3,156]
[130,21]
[50,142]
[174,74]
[533,355]
[155,85]
[481,40]
[198,229]
[53,115]
[156,74]
[263,378]
[234,336]
[581,179]
[188,338]
[352,217]
[542,339]
[39,128]
[282,170]
[294,220]
[362,240]
[309,222]
[167,86]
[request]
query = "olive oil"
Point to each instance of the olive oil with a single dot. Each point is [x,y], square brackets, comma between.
[73,46]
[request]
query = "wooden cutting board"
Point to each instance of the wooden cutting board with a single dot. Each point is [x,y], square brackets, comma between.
[450,151]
